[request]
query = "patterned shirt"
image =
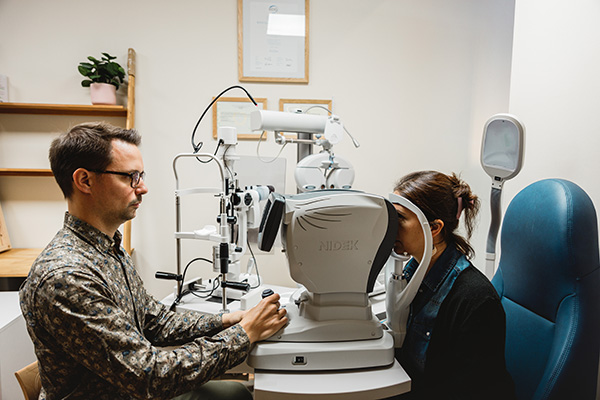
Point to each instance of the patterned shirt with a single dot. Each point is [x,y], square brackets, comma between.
[95,329]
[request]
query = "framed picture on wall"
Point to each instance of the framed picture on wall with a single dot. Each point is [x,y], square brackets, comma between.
[4,239]
[273,41]
[235,112]
[317,107]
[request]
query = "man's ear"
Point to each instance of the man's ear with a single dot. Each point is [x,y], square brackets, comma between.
[82,180]
[436,227]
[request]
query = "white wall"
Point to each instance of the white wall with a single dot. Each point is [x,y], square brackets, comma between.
[555,90]
[413,81]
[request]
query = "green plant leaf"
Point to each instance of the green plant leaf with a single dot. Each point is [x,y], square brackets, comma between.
[85,71]
[102,71]
[86,83]
[110,68]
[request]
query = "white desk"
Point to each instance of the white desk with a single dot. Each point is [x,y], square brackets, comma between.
[348,385]
[16,348]
[354,385]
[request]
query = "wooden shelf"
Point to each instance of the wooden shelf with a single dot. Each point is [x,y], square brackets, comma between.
[16,263]
[21,259]
[25,172]
[63,109]
[54,109]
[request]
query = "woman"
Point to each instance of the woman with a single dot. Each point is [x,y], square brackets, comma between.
[454,347]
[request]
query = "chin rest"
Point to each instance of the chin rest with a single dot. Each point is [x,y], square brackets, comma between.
[549,281]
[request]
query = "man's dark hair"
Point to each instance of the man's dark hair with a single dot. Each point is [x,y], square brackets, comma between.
[88,146]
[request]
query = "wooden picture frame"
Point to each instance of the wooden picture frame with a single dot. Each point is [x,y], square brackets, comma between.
[4,238]
[235,111]
[272,46]
[304,104]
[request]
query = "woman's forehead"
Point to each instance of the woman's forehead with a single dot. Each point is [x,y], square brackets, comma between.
[403,210]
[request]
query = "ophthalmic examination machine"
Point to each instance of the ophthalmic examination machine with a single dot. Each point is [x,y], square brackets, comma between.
[336,242]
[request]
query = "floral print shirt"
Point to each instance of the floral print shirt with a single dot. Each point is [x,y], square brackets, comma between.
[96,330]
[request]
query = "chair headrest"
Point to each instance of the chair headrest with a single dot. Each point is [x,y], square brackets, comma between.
[549,242]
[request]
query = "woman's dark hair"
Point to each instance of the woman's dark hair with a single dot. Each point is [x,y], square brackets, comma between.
[88,146]
[444,197]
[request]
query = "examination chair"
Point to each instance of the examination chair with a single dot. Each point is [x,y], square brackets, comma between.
[549,281]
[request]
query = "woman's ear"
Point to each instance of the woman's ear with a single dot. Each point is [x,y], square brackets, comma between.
[82,180]
[436,227]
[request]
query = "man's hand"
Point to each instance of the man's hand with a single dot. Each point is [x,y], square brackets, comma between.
[263,320]
[233,318]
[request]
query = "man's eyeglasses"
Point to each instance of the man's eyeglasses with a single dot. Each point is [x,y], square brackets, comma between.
[135,176]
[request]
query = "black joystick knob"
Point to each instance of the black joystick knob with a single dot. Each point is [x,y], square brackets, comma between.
[267,293]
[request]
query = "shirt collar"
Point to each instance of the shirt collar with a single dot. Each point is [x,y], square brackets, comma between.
[92,234]
[442,267]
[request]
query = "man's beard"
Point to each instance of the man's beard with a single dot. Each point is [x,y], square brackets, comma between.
[130,212]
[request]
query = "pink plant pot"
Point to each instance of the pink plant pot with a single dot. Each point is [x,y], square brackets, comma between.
[103,93]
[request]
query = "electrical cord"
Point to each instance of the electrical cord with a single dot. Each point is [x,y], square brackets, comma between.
[219,144]
[198,146]
[181,291]
[258,151]
[215,285]
[194,292]
[317,106]
[354,141]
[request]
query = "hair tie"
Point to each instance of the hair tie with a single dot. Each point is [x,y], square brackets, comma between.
[460,207]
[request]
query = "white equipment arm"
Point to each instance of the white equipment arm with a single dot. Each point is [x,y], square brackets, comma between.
[400,294]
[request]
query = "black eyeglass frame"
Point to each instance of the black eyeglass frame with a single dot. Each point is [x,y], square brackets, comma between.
[135,176]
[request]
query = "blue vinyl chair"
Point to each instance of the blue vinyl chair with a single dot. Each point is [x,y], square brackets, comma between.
[549,281]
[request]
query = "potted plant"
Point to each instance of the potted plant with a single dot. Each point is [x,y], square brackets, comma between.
[103,78]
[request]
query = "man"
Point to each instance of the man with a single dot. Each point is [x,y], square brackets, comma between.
[94,327]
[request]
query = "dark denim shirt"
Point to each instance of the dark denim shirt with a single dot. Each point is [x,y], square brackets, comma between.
[465,345]
[425,307]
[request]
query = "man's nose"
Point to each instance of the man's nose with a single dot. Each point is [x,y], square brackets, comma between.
[141,188]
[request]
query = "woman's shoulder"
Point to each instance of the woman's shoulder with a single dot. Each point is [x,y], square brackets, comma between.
[472,280]
[472,289]
[472,302]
